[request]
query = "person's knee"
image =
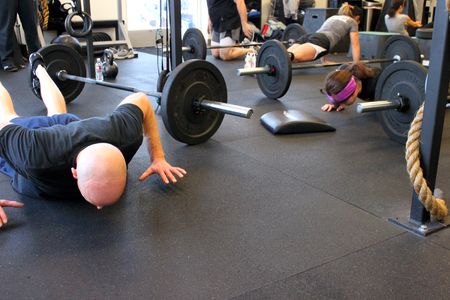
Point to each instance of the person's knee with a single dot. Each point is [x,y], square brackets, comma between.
[139,95]
[215,53]
[226,54]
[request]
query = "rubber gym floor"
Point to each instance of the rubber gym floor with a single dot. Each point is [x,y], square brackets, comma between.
[258,216]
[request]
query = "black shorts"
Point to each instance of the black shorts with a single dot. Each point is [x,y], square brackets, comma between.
[316,38]
[35,122]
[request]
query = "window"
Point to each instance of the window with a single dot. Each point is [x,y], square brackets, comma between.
[146,14]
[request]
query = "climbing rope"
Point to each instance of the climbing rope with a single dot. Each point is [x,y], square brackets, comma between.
[435,206]
[43,13]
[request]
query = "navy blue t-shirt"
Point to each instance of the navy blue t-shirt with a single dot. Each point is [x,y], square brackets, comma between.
[43,157]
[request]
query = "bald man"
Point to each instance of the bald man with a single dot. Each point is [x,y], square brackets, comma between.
[60,156]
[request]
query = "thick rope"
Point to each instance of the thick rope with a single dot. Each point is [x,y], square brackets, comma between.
[435,206]
[43,14]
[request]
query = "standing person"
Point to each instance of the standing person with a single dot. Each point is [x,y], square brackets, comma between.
[396,21]
[8,15]
[316,45]
[226,19]
[60,156]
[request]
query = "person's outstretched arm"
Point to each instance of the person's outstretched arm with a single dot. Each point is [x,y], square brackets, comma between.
[159,165]
[242,9]
[356,50]
[412,23]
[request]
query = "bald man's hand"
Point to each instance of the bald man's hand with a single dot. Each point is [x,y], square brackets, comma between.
[164,170]
[7,203]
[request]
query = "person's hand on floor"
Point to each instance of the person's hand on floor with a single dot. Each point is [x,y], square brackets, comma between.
[330,107]
[166,171]
[7,203]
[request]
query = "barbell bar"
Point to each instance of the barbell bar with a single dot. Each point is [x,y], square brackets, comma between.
[194,44]
[193,101]
[240,45]
[274,67]
[267,69]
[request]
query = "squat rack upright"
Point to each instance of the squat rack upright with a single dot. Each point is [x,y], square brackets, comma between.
[419,221]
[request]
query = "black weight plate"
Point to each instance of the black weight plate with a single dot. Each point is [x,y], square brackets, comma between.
[100,36]
[190,81]
[61,57]
[293,32]
[193,38]
[162,78]
[400,46]
[275,84]
[406,78]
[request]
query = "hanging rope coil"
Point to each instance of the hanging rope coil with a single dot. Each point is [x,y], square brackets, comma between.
[43,14]
[435,206]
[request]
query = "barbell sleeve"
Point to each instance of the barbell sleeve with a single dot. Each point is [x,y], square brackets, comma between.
[63,75]
[252,71]
[377,106]
[183,49]
[230,109]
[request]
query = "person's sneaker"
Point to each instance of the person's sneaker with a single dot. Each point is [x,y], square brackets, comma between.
[10,67]
[245,41]
[250,61]
[35,60]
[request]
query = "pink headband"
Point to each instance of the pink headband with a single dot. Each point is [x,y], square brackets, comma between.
[343,95]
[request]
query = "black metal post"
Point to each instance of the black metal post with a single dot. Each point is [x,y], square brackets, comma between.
[89,43]
[175,33]
[434,112]
[433,119]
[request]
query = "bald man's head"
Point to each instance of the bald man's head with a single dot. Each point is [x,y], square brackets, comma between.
[101,174]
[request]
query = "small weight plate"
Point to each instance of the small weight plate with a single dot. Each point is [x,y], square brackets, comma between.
[275,84]
[162,78]
[407,79]
[191,81]
[293,32]
[193,38]
[402,47]
[61,57]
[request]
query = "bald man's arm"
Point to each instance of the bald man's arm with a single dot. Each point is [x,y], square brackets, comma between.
[150,124]
[159,165]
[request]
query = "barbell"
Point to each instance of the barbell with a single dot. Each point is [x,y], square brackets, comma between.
[399,93]
[274,67]
[193,101]
[194,44]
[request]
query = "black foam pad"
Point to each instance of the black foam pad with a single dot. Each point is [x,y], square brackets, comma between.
[293,121]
